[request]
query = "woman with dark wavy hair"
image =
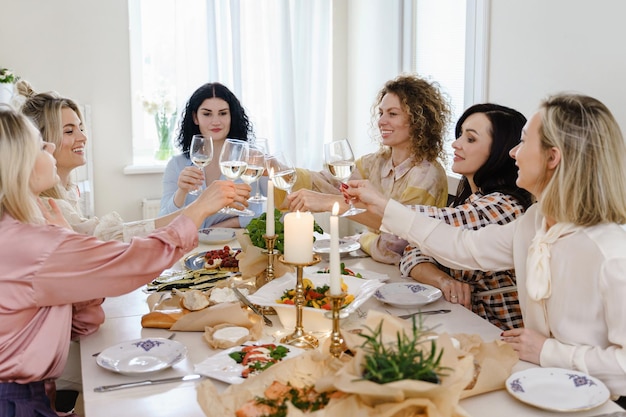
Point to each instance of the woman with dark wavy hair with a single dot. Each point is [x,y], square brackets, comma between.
[486,194]
[213,111]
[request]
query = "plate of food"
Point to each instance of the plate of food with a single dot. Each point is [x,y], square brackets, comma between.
[557,389]
[216,235]
[278,294]
[236,364]
[407,294]
[345,245]
[142,356]
[201,279]
[224,259]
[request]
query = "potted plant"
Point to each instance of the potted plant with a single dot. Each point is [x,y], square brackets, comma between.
[7,81]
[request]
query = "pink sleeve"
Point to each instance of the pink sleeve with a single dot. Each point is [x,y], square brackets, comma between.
[80,268]
[87,317]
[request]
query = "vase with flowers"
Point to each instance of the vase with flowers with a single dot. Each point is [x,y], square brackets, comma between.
[7,82]
[163,110]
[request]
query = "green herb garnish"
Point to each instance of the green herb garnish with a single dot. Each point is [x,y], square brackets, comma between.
[404,360]
[256,229]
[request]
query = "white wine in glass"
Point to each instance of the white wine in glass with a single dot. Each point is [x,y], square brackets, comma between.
[233,163]
[339,160]
[201,154]
[282,171]
[263,145]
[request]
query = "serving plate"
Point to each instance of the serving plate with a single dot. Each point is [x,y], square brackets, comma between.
[345,246]
[224,368]
[365,274]
[216,235]
[557,389]
[142,356]
[314,319]
[195,261]
[407,294]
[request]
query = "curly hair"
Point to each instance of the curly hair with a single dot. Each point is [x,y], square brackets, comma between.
[428,111]
[240,125]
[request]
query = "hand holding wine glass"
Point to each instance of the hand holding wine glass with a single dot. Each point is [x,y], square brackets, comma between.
[282,171]
[201,154]
[254,170]
[339,160]
[233,163]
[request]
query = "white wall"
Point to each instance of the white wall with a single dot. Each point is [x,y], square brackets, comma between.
[80,48]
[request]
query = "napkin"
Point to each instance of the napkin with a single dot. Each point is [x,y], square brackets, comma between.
[253,261]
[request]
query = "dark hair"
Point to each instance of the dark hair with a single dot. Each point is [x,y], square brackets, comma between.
[499,172]
[240,125]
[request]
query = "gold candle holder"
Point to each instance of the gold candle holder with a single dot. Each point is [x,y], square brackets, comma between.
[268,275]
[337,343]
[300,338]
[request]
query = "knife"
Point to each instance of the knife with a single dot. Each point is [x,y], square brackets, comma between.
[146,382]
[408,316]
[252,307]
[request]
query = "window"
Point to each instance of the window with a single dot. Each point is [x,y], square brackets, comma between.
[267,52]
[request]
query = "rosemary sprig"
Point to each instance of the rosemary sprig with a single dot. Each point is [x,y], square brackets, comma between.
[406,359]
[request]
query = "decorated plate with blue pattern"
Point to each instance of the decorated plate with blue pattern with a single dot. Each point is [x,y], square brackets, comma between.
[142,356]
[557,389]
[407,294]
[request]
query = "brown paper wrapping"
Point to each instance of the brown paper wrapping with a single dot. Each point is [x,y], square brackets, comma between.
[253,261]
[198,321]
[366,398]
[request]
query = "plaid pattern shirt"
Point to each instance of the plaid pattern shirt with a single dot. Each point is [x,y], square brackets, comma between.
[494,294]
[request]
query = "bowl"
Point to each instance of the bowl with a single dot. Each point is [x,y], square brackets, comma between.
[313,319]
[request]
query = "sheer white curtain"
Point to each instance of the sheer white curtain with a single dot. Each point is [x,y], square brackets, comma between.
[276,56]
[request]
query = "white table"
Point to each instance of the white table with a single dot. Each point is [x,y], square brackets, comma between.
[123,323]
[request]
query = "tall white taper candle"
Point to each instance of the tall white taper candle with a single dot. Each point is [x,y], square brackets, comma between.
[335,266]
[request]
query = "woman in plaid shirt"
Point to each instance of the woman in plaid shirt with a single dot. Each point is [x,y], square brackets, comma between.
[487,194]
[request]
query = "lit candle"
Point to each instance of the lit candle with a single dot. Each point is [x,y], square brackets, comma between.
[269,215]
[335,266]
[299,238]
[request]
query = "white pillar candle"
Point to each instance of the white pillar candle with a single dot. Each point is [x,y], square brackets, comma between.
[299,238]
[335,265]
[269,214]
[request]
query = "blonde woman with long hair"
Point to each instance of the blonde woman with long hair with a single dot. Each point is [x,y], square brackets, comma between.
[42,277]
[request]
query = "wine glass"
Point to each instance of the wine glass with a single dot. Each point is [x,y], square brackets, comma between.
[282,171]
[233,163]
[201,154]
[263,144]
[339,160]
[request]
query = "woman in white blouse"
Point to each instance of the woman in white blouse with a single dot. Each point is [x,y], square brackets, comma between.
[568,250]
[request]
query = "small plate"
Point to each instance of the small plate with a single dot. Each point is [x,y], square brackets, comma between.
[224,368]
[407,294]
[196,261]
[557,389]
[142,356]
[345,246]
[216,236]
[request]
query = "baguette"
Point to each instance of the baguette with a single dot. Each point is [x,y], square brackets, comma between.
[159,320]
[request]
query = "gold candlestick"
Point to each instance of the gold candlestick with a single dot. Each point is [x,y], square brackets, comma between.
[337,343]
[300,338]
[268,275]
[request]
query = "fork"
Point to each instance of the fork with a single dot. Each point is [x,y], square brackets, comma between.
[170,337]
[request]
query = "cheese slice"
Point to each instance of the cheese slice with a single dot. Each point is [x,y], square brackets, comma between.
[230,334]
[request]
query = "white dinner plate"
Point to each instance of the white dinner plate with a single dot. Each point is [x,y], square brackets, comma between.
[345,245]
[557,389]
[142,356]
[407,294]
[216,235]
[224,368]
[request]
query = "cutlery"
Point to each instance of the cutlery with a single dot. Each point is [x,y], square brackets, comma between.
[428,312]
[252,307]
[146,382]
[169,337]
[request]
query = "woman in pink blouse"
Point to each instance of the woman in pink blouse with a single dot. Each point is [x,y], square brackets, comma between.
[47,269]
[487,193]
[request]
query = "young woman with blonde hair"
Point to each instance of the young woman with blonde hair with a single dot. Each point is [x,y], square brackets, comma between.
[43,278]
[568,250]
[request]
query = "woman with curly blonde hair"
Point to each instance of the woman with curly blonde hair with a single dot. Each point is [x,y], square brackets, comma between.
[410,118]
